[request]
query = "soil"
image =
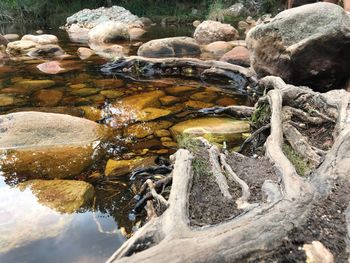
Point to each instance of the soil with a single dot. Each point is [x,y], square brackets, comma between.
[320,137]
[207,206]
[326,224]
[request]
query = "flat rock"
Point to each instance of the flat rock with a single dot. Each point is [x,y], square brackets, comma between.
[48,145]
[34,85]
[306,45]
[213,129]
[169,47]
[47,98]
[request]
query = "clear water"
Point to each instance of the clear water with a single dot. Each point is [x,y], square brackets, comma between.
[32,232]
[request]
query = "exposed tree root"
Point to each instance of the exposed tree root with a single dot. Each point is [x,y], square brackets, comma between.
[140,67]
[260,228]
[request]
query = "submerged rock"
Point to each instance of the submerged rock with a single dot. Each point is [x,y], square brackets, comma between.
[307,45]
[49,145]
[51,67]
[211,31]
[47,98]
[34,85]
[64,196]
[213,129]
[169,47]
[123,167]
[142,130]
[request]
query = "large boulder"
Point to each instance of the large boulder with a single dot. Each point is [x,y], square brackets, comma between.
[307,45]
[211,31]
[89,18]
[169,47]
[108,32]
[48,145]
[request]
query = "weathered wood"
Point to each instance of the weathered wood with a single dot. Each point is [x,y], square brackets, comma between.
[262,228]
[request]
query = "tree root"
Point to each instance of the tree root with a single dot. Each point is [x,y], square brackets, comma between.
[260,229]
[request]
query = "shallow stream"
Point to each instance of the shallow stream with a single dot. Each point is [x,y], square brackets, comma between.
[33,232]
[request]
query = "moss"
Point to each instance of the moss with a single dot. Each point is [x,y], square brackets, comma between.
[261,115]
[299,163]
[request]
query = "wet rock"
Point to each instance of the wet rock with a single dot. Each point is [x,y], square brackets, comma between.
[108,51]
[48,98]
[213,129]
[169,144]
[112,94]
[92,113]
[205,96]
[6,100]
[238,55]
[169,100]
[142,130]
[123,167]
[136,33]
[34,85]
[64,196]
[148,114]
[226,102]
[315,53]
[180,90]
[108,32]
[49,145]
[89,18]
[195,104]
[41,39]
[11,37]
[316,252]
[108,83]
[61,110]
[217,48]
[51,67]
[49,50]
[85,53]
[211,31]
[162,133]
[84,92]
[169,47]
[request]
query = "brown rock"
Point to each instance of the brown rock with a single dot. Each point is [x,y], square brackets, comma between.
[169,100]
[205,96]
[238,55]
[217,48]
[123,167]
[142,130]
[179,90]
[48,98]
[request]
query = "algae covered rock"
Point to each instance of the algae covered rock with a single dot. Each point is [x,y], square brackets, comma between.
[212,128]
[48,145]
[123,167]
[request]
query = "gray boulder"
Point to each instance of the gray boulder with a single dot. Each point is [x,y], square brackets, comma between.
[211,31]
[169,47]
[307,45]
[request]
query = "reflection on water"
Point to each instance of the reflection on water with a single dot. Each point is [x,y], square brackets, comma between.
[27,226]
[140,113]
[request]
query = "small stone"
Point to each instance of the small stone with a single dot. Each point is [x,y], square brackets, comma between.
[48,98]
[205,96]
[166,139]
[227,102]
[11,37]
[169,144]
[52,67]
[162,151]
[98,98]
[162,133]
[92,113]
[196,23]
[136,33]
[6,100]
[198,104]
[142,130]
[316,252]
[169,100]
[77,86]
[112,94]
[85,53]
[150,113]
[84,92]
[34,85]
[108,83]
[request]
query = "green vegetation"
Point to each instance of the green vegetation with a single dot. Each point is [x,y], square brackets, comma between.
[55,11]
[261,115]
[299,163]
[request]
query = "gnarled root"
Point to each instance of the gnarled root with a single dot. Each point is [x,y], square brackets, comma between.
[255,232]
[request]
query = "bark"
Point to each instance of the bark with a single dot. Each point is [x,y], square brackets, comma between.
[260,227]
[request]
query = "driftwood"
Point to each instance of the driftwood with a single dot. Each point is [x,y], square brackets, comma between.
[236,77]
[260,227]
